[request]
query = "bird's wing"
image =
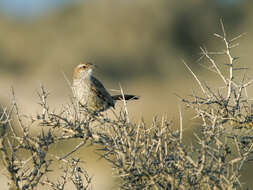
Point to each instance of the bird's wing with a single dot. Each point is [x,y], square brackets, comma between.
[100,90]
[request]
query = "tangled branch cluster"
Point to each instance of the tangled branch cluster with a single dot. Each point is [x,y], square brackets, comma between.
[143,157]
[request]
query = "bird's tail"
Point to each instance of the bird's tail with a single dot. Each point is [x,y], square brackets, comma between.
[126,97]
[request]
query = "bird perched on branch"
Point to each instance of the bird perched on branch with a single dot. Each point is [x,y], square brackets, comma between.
[91,93]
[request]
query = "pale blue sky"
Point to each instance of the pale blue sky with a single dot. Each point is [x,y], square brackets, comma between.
[30,7]
[23,8]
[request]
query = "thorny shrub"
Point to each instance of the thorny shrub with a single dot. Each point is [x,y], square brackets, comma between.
[143,157]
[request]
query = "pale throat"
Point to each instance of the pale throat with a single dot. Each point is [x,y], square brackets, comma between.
[87,75]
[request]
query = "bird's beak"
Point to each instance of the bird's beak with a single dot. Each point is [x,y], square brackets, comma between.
[93,66]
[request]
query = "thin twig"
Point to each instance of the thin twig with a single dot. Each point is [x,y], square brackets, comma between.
[124,102]
[181,124]
[196,78]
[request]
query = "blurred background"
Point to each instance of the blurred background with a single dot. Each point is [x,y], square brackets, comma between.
[139,44]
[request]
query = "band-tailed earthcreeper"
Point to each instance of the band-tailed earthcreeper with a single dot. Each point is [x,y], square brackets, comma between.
[91,93]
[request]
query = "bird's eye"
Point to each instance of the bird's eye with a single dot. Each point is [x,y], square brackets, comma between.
[83,66]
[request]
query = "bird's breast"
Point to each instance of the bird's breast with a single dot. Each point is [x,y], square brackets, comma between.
[81,90]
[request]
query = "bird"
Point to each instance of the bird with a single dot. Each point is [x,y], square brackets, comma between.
[91,93]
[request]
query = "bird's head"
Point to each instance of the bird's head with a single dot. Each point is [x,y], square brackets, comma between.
[83,70]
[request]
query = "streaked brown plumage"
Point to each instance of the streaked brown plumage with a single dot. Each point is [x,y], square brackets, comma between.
[90,92]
